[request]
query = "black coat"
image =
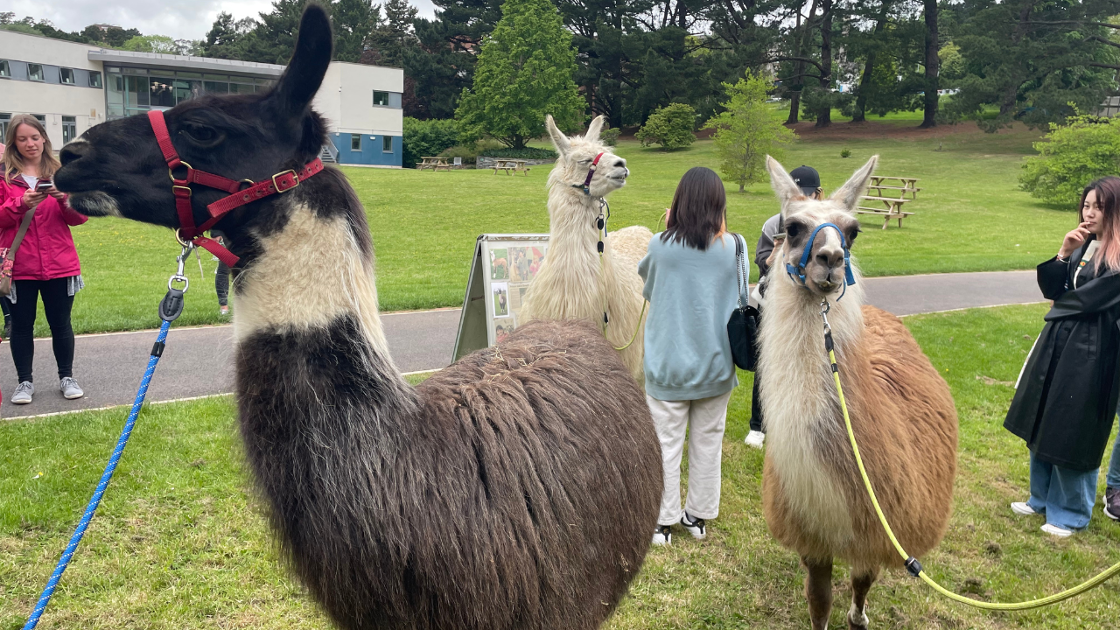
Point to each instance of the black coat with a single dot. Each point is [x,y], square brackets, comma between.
[1066,398]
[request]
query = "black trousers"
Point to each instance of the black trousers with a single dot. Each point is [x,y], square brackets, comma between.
[221,283]
[56,306]
[756,403]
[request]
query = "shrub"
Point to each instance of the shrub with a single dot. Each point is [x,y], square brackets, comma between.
[528,153]
[1071,156]
[670,126]
[470,152]
[746,131]
[845,153]
[609,137]
[427,138]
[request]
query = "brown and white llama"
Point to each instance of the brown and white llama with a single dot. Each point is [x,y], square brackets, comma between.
[572,282]
[514,489]
[901,411]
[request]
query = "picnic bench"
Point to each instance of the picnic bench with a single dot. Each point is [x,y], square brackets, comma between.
[892,208]
[434,163]
[880,183]
[511,166]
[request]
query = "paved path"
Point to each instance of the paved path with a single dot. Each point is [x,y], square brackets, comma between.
[198,361]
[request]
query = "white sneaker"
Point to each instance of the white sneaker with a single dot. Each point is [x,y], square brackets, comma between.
[22,395]
[662,535]
[695,526]
[1056,532]
[1022,509]
[755,438]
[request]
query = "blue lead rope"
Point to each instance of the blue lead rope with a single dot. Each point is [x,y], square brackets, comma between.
[170,308]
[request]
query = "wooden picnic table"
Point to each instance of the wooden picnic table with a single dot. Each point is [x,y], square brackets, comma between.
[434,163]
[511,166]
[880,183]
[892,208]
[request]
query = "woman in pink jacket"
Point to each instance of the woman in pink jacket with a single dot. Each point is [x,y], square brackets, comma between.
[46,263]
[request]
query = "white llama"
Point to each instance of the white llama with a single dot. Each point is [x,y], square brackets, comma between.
[575,282]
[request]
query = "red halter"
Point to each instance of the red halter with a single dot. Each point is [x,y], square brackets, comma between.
[279,183]
[590,173]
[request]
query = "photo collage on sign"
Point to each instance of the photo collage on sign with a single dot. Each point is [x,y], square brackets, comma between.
[511,270]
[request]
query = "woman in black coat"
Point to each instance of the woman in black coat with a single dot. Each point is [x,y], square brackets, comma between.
[1066,399]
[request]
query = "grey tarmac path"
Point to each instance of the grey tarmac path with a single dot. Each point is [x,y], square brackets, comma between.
[199,361]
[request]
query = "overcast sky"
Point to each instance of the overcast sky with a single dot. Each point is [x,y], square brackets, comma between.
[181,19]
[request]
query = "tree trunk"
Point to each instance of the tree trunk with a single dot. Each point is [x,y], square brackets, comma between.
[868,68]
[824,114]
[799,69]
[932,65]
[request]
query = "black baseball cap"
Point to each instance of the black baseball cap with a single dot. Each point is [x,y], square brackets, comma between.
[806,178]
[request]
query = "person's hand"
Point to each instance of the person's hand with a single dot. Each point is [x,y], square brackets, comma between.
[32,198]
[56,193]
[1074,238]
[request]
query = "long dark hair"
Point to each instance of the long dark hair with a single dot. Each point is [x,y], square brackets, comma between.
[699,210]
[1108,196]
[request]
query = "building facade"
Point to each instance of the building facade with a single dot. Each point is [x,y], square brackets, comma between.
[70,87]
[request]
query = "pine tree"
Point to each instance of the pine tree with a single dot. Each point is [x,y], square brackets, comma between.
[524,72]
[746,131]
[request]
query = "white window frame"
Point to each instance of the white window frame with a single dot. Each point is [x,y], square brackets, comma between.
[72,124]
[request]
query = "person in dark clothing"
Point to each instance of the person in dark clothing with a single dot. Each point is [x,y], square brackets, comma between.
[221,277]
[773,232]
[1065,401]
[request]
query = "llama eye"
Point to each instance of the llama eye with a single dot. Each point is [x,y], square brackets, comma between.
[792,231]
[200,134]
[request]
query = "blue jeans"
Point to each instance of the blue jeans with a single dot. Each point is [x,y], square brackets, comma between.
[1065,496]
[1113,478]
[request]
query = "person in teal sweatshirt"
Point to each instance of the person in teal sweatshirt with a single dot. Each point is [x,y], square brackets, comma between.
[690,283]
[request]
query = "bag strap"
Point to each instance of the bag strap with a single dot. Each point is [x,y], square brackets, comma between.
[22,230]
[741,276]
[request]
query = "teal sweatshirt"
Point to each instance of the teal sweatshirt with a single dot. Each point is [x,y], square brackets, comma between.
[691,295]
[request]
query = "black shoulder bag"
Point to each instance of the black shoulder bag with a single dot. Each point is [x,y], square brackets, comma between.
[742,327]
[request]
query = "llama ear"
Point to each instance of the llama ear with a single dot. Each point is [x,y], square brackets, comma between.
[783,184]
[595,128]
[559,140]
[850,192]
[304,75]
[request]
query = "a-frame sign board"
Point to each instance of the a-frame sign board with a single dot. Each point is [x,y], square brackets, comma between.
[501,269]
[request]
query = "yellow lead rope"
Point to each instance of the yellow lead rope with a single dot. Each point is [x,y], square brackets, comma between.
[912,564]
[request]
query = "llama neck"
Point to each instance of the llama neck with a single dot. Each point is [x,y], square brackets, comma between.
[308,275]
[572,230]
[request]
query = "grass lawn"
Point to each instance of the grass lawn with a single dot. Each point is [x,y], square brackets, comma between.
[179,541]
[970,217]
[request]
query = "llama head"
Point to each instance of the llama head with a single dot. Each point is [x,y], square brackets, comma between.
[824,269]
[577,154]
[117,168]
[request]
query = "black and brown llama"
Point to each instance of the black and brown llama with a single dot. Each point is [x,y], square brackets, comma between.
[515,489]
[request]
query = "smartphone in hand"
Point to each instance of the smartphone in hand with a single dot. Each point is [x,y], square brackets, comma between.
[44,185]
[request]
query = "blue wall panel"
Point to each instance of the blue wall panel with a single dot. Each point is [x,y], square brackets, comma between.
[371,153]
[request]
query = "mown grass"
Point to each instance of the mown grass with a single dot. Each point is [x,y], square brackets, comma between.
[970,217]
[180,541]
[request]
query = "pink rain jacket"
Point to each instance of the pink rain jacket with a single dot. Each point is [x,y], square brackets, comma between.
[48,249]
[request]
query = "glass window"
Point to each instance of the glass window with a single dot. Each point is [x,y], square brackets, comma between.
[241,88]
[69,128]
[224,78]
[140,72]
[387,144]
[162,92]
[66,75]
[137,95]
[186,90]
[42,118]
[5,69]
[381,98]
[35,72]
[4,120]
[215,87]
[94,79]
[114,96]
[355,142]
[189,75]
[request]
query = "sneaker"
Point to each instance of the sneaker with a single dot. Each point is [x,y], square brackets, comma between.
[755,439]
[70,389]
[23,393]
[1112,503]
[695,526]
[1056,532]
[662,535]
[224,309]
[1023,509]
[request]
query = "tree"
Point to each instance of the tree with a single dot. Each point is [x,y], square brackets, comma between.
[443,62]
[354,22]
[746,132]
[524,72]
[932,64]
[1071,156]
[158,44]
[1032,59]
[229,39]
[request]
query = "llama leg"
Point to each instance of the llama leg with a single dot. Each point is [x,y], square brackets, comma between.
[818,590]
[861,584]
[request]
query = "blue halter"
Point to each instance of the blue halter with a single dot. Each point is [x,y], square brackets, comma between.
[799,270]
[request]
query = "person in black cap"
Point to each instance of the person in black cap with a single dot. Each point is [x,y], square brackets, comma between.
[773,232]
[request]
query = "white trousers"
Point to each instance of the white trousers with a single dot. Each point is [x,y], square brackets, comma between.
[704,421]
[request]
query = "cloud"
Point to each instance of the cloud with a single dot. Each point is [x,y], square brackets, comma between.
[178,20]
